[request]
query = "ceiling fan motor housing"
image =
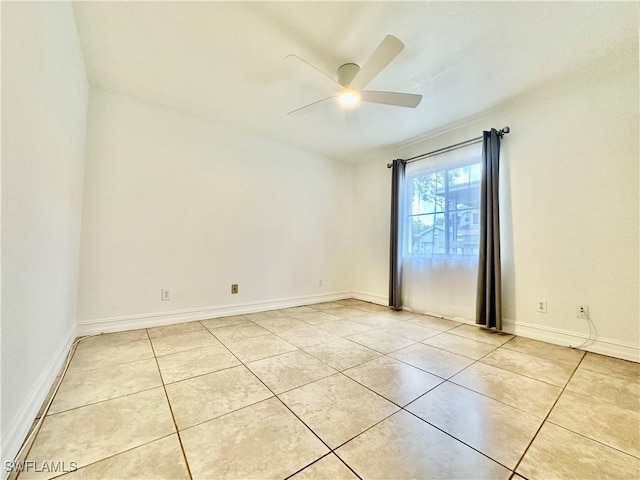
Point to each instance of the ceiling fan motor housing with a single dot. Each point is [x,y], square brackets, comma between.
[346,73]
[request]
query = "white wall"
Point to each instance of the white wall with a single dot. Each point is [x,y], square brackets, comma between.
[44,104]
[172,201]
[569,177]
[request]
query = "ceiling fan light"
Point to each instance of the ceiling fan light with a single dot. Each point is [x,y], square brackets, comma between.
[349,98]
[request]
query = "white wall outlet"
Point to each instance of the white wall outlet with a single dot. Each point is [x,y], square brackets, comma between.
[320,283]
[165,294]
[541,306]
[582,312]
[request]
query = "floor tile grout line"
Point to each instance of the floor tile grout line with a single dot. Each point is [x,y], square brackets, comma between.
[540,357]
[148,338]
[478,393]
[444,380]
[487,344]
[636,378]
[114,365]
[608,403]
[455,353]
[117,454]
[492,398]
[544,421]
[26,449]
[299,386]
[592,439]
[328,454]
[252,404]
[187,350]
[449,379]
[307,466]
[346,464]
[382,353]
[427,371]
[264,358]
[104,400]
[173,417]
[511,371]
[225,341]
[287,407]
[382,396]
[518,373]
[201,375]
[289,341]
[347,368]
[332,450]
[451,331]
[335,452]
[458,440]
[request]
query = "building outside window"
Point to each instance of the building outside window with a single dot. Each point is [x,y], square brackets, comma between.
[443,210]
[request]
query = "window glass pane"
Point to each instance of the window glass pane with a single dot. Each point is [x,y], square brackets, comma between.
[459,176]
[444,210]
[475,172]
[419,226]
[427,193]
[428,234]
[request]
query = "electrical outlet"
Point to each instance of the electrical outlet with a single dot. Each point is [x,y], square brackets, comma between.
[582,312]
[541,306]
[165,294]
[234,288]
[320,283]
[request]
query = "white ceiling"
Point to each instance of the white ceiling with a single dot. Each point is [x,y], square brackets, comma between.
[225,61]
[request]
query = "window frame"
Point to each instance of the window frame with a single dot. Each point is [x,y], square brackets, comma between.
[446,211]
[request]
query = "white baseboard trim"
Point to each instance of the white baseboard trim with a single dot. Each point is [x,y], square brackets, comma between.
[371,297]
[603,346]
[158,319]
[565,338]
[18,429]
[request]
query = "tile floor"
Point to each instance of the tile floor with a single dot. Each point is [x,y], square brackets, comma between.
[345,389]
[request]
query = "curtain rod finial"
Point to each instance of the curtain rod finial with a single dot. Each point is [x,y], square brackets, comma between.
[506,129]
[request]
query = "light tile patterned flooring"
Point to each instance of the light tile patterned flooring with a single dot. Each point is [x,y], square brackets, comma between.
[345,389]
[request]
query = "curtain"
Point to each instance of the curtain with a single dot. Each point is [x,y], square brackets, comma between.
[488,298]
[441,231]
[395,254]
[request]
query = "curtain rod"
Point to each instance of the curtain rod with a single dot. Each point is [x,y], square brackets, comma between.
[455,146]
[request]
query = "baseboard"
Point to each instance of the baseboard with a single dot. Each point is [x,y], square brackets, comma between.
[157,319]
[18,428]
[565,338]
[556,336]
[371,297]
[603,346]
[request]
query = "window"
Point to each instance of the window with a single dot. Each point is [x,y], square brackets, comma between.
[443,210]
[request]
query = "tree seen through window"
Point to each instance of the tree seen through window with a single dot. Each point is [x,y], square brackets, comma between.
[443,207]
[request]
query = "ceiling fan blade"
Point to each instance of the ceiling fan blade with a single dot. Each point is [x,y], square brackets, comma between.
[310,107]
[391,98]
[301,64]
[388,49]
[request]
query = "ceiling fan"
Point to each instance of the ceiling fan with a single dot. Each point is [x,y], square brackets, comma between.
[352,79]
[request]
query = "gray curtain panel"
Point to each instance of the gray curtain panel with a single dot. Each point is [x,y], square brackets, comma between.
[395,256]
[488,300]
